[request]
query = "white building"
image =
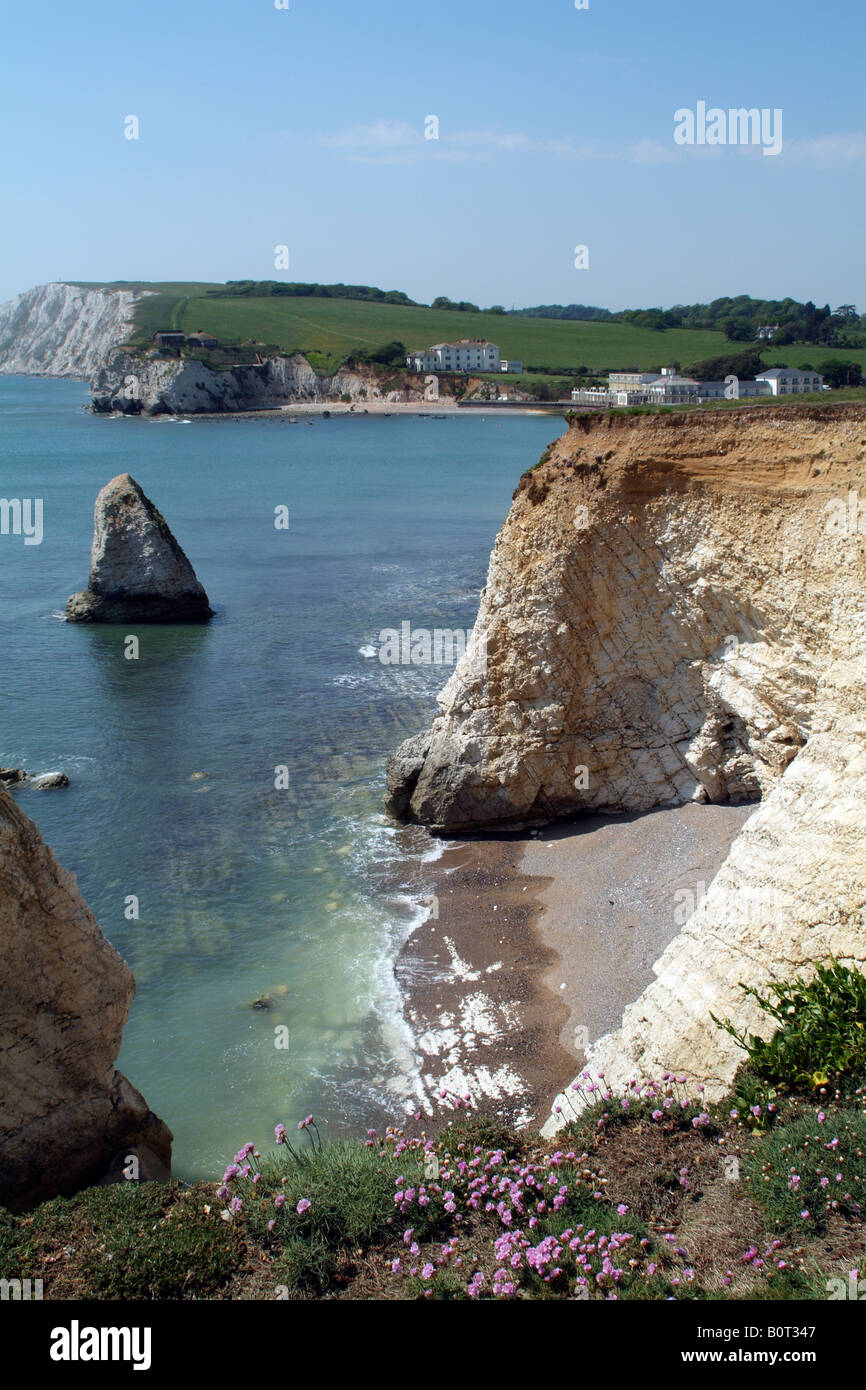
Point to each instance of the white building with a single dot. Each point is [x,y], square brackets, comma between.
[634,381]
[671,389]
[467,355]
[719,390]
[791,381]
[592,395]
[647,388]
[512,364]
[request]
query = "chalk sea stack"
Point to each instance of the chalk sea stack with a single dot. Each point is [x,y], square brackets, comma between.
[138,572]
[68,1118]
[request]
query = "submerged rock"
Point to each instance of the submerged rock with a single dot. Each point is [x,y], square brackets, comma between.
[138,572]
[12,776]
[67,1117]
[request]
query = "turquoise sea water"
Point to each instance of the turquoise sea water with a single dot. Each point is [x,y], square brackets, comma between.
[304,895]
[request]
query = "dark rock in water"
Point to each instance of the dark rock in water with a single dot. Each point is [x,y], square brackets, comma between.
[68,1118]
[404,769]
[11,775]
[48,779]
[138,572]
[263,1003]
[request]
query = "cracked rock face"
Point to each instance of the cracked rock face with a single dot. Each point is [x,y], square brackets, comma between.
[676,609]
[138,572]
[68,1118]
[662,606]
[63,330]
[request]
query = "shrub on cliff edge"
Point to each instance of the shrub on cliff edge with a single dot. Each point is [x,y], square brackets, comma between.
[821,1030]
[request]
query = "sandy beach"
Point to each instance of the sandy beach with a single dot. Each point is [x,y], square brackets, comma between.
[536,943]
[304,409]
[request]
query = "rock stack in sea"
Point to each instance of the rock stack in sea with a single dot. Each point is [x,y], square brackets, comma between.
[138,572]
[68,1118]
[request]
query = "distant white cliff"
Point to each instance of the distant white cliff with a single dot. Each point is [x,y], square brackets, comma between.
[137,384]
[66,330]
[63,330]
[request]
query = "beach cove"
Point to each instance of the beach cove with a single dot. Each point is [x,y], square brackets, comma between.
[301,898]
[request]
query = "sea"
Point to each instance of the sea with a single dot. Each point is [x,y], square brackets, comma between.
[224,815]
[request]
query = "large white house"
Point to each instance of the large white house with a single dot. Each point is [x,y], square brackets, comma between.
[467,355]
[791,381]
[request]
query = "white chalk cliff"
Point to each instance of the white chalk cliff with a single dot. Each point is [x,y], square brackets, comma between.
[675,611]
[63,330]
[67,330]
[134,384]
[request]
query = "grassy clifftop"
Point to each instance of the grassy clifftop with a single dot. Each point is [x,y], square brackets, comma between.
[334,328]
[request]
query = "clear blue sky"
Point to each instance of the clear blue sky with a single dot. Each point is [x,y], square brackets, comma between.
[304,127]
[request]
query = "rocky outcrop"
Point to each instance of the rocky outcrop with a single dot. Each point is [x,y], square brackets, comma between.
[662,608]
[136,384]
[63,330]
[68,1118]
[138,572]
[675,611]
[44,781]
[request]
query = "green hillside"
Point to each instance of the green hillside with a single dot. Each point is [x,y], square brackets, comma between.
[331,329]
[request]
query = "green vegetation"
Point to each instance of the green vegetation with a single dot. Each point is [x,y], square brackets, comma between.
[839,371]
[811,1169]
[336,328]
[646,1194]
[567,311]
[821,1029]
[128,1242]
[255,314]
[650,1193]
[802,1094]
[739,318]
[257,289]
[542,385]
[349,1188]
[741,364]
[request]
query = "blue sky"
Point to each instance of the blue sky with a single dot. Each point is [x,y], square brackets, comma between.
[305,126]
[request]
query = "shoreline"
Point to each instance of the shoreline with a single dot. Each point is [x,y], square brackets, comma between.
[537,942]
[441,408]
[471,976]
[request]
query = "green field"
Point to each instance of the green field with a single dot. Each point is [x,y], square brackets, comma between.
[333,328]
